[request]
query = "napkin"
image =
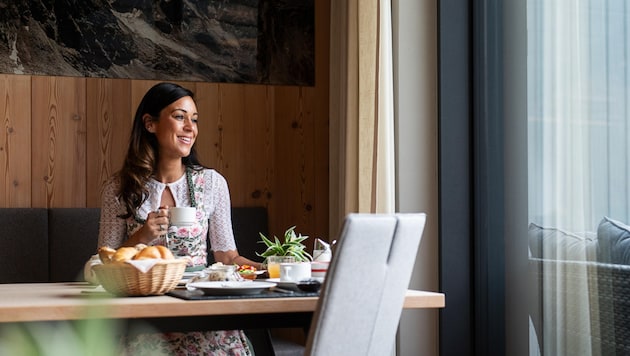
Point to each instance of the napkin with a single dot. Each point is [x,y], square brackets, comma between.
[144,265]
[321,251]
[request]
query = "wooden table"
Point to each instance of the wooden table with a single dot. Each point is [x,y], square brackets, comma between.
[73,301]
[61,304]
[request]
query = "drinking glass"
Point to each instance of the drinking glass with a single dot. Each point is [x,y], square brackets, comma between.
[273,264]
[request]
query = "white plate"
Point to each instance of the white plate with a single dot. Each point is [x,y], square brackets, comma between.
[231,288]
[188,275]
[284,285]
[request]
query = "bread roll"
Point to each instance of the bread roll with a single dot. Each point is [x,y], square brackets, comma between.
[124,254]
[106,254]
[148,253]
[165,252]
[140,247]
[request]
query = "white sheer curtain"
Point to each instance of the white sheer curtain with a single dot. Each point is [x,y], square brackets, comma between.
[578,112]
[578,91]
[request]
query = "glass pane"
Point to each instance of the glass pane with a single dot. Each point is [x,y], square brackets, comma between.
[578,175]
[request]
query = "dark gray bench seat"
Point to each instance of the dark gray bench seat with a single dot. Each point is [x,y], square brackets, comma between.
[52,245]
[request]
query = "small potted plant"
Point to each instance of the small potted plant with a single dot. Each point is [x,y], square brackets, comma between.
[291,246]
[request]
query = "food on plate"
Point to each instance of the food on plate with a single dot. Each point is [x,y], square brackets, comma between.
[138,252]
[217,272]
[247,271]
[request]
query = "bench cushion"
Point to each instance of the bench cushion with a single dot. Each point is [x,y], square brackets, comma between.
[23,245]
[73,236]
[247,222]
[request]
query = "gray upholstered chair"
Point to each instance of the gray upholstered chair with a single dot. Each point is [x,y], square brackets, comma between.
[362,298]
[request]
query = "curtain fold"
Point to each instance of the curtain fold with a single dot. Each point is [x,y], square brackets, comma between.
[361,110]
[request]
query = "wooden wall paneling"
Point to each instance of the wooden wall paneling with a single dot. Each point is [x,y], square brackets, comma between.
[316,118]
[59,142]
[207,99]
[15,141]
[109,122]
[257,142]
[247,146]
[231,147]
[138,89]
[294,179]
[321,164]
[321,126]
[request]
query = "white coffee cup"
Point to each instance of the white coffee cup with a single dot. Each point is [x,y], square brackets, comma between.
[182,216]
[294,271]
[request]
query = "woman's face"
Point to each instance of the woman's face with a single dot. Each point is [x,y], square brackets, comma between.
[176,129]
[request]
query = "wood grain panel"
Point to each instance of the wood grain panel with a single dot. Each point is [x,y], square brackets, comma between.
[207,98]
[244,146]
[294,142]
[15,141]
[257,140]
[321,126]
[59,142]
[108,129]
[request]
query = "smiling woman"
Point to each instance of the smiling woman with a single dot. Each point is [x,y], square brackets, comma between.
[175,128]
[161,170]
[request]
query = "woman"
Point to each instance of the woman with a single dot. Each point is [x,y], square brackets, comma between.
[161,170]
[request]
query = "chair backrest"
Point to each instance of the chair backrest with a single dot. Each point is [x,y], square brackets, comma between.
[362,298]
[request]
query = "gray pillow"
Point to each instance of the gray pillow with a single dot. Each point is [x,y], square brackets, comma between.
[614,242]
[556,244]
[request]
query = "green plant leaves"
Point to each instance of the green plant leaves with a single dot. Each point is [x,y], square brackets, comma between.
[290,246]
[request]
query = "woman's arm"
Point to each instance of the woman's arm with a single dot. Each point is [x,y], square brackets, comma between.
[220,229]
[232,257]
[112,229]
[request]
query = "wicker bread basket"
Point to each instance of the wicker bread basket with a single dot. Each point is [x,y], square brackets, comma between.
[123,279]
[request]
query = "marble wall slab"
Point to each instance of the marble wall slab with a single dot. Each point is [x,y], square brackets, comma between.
[228,41]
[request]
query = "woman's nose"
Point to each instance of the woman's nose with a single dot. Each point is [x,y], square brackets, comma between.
[189,123]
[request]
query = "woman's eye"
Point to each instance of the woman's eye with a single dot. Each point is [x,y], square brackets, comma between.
[179,117]
[195,119]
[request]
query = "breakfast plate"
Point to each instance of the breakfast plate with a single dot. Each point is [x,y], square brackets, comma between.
[231,287]
[187,277]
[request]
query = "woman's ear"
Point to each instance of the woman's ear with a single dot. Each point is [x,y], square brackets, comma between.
[148,123]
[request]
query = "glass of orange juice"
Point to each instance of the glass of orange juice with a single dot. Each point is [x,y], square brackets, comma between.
[273,264]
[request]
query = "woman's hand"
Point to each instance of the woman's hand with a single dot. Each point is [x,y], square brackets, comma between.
[232,257]
[157,223]
[155,226]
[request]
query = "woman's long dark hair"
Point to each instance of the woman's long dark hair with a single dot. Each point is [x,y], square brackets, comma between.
[142,154]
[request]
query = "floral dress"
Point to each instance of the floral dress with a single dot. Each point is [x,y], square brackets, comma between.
[206,190]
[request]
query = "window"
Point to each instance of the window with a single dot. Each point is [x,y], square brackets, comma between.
[578,174]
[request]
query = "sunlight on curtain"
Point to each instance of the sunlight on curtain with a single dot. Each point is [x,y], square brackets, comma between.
[361,109]
[578,126]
